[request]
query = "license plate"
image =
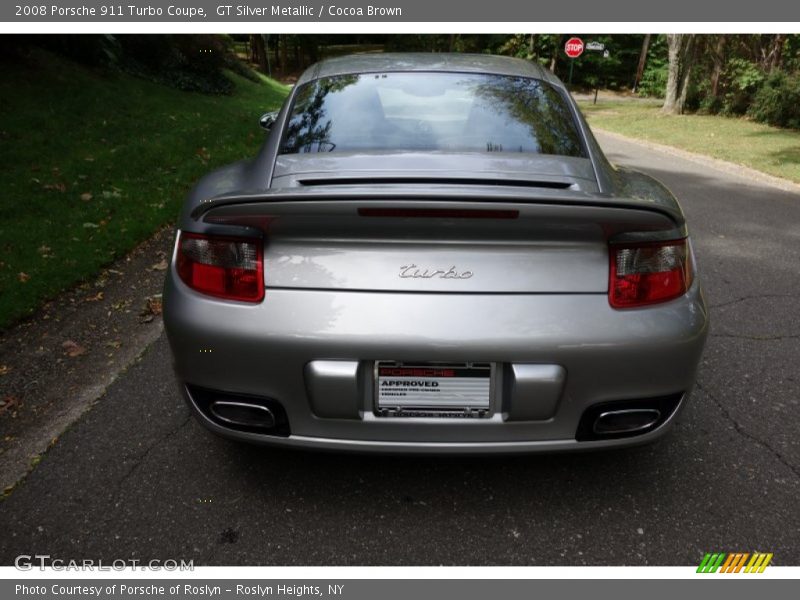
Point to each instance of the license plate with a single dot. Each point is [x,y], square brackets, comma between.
[432,389]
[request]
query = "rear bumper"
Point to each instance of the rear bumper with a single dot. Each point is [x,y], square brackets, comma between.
[424,447]
[266,350]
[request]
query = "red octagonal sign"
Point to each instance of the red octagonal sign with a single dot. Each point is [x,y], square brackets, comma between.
[574,47]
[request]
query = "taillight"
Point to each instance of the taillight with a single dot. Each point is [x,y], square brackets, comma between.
[226,267]
[648,273]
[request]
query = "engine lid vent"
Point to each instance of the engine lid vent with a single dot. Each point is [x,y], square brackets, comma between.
[331,181]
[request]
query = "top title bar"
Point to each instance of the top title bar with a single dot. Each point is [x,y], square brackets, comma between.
[388,11]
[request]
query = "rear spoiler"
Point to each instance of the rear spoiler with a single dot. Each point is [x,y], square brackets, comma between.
[283,200]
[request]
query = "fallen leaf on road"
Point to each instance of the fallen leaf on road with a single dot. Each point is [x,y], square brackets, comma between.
[151,309]
[8,403]
[122,304]
[23,277]
[73,349]
[96,298]
[4,370]
[159,266]
[154,304]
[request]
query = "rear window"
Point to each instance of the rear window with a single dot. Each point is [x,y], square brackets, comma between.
[448,112]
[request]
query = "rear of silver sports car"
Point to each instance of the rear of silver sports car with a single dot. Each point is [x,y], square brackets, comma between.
[450,318]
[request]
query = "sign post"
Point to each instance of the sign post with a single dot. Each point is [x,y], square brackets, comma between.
[573,48]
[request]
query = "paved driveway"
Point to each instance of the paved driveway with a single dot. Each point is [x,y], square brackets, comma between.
[136,477]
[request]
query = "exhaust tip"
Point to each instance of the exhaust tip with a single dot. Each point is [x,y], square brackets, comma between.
[626,421]
[240,412]
[626,418]
[243,414]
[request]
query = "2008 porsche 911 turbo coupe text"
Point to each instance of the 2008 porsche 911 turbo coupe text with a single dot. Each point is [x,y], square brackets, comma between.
[432,254]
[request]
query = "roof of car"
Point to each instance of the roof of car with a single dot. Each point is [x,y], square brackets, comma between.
[427,61]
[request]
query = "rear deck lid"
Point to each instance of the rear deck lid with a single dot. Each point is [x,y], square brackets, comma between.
[434,168]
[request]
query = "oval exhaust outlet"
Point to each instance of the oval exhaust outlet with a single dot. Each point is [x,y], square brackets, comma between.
[626,421]
[243,414]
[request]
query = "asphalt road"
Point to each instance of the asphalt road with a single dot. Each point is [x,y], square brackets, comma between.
[136,477]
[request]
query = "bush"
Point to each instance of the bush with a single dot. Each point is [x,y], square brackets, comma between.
[188,62]
[192,62]
[654,81]
[744,80]
[91,50]
[777,102]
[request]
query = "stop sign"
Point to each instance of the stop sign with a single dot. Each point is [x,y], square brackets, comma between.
[574,47]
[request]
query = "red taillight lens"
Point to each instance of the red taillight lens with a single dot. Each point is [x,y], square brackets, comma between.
[649,273]
[230,268]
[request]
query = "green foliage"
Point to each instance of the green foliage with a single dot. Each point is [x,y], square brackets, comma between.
[91,50]
[615,71]
[195,62]
[95,161]
[777,102]
[791,54]
[518,45]
[654,78]
[743,81]
[654,81]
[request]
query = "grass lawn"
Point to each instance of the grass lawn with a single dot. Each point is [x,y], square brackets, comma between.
[761,147]
[94,163]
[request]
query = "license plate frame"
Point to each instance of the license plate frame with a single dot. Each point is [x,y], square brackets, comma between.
[425,389]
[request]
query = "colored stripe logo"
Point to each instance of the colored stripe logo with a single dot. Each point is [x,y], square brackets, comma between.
[734,562]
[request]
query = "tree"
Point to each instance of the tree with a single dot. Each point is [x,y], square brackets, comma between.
[774,58]
[719,58]
[642,61]
[258,52]
[681,50]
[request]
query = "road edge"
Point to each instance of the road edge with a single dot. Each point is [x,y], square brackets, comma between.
[724,166]
[26,455]
[70,386]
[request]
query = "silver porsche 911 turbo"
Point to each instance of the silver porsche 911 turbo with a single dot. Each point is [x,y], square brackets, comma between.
[431,254]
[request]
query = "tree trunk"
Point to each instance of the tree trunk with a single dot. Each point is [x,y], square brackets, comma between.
[684,85]
[642,61]
[718,59]
[775,56]
[258,51]
[681,56]
[276,39]
[310,49]
[265,40]
[532,46]
[673,74]
[280,49]
[556,49]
